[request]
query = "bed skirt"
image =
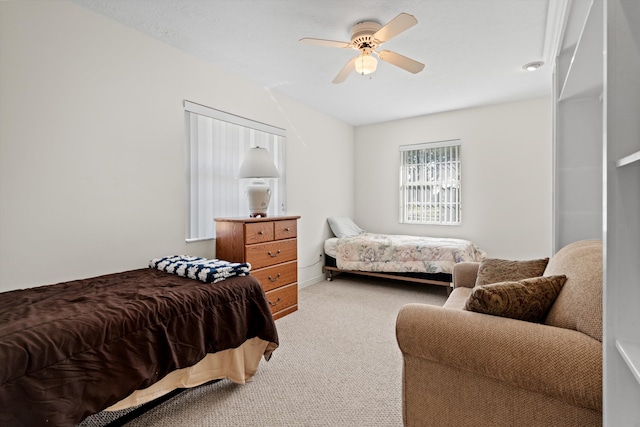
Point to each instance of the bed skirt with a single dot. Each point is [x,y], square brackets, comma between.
[238,365]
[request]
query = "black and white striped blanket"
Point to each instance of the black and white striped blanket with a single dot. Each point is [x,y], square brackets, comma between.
[205,270]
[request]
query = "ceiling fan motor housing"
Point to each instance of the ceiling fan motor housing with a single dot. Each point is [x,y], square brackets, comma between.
[362,34]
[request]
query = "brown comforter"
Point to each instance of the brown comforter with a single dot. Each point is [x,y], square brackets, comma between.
[72,349]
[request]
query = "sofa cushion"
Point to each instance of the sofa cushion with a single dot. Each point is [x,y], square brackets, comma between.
[494,270]
[527,299]
[579,305]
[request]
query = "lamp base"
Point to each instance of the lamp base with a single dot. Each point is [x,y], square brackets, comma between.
[259,196]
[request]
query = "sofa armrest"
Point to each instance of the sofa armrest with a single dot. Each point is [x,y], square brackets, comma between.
[464,274]
[562,363]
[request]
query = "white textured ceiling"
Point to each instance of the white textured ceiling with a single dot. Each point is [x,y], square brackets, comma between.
[474,50]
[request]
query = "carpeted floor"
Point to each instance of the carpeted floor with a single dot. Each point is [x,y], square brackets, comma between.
[338,364]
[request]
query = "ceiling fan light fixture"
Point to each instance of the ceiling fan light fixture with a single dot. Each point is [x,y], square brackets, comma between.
[366,64]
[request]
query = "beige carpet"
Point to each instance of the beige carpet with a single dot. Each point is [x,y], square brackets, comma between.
[338,364]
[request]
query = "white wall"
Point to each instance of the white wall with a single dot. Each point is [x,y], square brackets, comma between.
[92,167]
[506,175]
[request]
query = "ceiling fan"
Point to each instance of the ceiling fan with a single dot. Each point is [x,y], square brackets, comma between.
[366,37]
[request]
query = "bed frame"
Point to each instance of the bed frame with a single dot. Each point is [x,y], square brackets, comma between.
[440,279]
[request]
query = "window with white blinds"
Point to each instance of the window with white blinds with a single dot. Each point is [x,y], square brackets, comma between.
[430,177]
[216,145]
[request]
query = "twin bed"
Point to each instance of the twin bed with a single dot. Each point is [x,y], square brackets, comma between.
[399,257]
[73,349]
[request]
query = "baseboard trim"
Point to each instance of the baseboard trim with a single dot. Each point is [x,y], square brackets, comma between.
[311,281]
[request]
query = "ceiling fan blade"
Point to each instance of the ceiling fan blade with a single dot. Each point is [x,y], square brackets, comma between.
[401,61]
[327,43]
[344,73]
[397,25]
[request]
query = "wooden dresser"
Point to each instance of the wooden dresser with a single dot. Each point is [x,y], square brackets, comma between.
[270,245]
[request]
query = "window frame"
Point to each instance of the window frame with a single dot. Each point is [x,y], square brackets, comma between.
[447,175]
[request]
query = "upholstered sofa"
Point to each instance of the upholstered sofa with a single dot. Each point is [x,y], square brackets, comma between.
[464,368]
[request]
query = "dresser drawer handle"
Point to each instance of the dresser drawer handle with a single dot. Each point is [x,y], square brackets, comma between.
[260,232]
[287,229]
[272,255]
[274,279]
[273,304]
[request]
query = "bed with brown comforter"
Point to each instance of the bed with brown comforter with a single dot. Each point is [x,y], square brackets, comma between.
[73,349]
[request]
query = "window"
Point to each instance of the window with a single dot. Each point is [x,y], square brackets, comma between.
[430,183]
[216,144]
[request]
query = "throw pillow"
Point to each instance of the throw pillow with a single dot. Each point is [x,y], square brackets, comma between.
[494,270]
[343,226]
[528,299]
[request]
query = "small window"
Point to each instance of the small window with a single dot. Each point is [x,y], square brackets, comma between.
[430,183]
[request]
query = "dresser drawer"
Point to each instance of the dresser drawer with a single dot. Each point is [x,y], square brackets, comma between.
[277,275]
[258,232]
[285,229]
[283,298]
[266,254]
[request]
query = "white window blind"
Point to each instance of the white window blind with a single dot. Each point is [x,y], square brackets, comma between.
[216,145]
[430,178]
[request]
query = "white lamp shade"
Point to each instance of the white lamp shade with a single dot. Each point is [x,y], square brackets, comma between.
[366,64]
[257,163]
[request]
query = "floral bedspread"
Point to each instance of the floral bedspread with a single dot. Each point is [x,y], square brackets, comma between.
[400,253]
